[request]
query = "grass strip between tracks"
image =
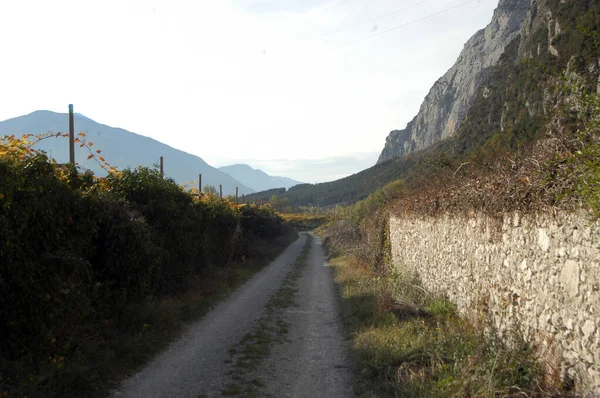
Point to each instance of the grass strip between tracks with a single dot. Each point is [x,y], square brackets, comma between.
[272,327]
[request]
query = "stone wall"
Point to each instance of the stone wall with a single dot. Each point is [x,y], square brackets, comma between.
[538,274]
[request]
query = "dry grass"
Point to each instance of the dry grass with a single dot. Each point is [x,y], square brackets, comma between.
[409,343]
[522,183]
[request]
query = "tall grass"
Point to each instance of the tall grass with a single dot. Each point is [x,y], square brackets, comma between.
[408,343]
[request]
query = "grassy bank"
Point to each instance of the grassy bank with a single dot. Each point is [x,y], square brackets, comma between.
[408,343]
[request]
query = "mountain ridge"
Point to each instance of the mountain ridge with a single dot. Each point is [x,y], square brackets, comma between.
[120,147]
[257,179]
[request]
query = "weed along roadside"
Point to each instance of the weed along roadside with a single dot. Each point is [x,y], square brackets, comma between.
[271,328]
[407,342]
[481,281]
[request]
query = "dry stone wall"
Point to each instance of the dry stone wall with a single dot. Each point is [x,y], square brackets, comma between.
[538,275]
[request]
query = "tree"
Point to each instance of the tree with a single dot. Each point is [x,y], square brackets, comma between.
[210,189]
[280,204]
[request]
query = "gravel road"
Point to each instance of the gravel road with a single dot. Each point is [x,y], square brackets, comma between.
[195,363]
[312,362]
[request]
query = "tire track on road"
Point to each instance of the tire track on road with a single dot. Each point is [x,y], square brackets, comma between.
[196,364]
[312,360]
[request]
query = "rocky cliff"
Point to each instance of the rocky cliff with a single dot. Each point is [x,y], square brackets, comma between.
[448,100]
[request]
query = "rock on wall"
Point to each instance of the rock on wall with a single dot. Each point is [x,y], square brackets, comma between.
[538,272]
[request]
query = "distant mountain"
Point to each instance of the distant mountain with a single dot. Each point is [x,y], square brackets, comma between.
[257,179]
[285,182]
[121,149]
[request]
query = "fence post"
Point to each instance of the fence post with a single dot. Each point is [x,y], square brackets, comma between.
[236,195]
[243,199]
[161,168]
[221,191]
[200,183]
[71,137]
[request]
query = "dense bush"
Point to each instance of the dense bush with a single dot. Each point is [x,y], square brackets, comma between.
[260,221]
[47,283]
[76,251]
[173,220]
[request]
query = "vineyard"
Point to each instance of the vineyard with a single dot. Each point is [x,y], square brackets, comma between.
[86,260]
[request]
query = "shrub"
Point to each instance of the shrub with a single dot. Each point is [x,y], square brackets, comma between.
[77,251]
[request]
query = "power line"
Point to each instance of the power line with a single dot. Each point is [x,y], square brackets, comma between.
[372,19]
[403,25]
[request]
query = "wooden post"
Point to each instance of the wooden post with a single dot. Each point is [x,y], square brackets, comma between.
[221,191]
[236,195]
[200,183]
[71,137]
[161,168]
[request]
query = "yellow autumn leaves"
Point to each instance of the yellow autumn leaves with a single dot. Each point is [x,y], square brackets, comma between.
[15,148]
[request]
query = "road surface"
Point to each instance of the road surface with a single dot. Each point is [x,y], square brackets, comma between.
[311,362]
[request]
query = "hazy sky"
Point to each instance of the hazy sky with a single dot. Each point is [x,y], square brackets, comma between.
[282,85]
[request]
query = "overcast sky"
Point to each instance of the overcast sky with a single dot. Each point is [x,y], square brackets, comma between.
[288,86]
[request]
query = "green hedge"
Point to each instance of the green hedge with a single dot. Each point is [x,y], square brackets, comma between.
[73,252]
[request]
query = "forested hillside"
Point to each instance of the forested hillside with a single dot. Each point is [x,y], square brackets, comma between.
[349,189]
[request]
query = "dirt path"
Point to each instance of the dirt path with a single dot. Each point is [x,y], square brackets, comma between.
[308,360]
[313,362]
[195,364]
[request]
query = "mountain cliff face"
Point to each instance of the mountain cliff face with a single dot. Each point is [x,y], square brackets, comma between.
[446,105]
[558,40]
